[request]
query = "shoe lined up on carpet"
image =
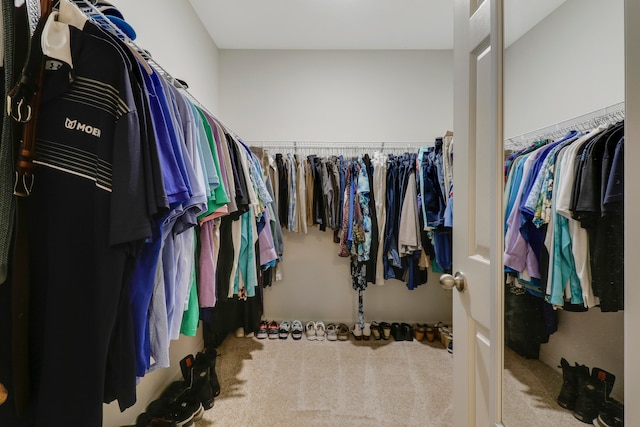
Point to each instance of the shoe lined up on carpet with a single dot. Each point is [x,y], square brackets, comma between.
[184,401]
[318,331]
[587,394]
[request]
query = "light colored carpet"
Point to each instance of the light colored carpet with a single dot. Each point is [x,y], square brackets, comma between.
[364,383]
[530,391]
[324,383]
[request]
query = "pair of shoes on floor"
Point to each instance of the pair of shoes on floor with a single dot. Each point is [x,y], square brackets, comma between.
[362,332]
[183,402]
[332,332]
[269,330]
[419,331]
[240,333]
[401,331]
[587,394]
[337,332]
[315,331]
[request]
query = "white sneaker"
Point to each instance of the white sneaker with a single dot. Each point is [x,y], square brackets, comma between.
[310,330]
[332,332]
[320,330]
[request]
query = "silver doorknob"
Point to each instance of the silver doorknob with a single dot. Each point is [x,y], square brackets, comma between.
[459,281]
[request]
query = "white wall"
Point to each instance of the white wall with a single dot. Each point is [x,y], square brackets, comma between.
[351,96]
[171,31]
[337,95]
[571,63]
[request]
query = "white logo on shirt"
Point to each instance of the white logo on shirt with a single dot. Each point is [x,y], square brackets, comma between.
[76,125]
[52,65]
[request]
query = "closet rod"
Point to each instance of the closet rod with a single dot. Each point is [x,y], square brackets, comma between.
[350,145]
[101,20]
[607,115]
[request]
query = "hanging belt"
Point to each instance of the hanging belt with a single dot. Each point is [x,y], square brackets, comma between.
[23,103]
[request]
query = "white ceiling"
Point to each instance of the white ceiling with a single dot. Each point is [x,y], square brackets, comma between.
[349,24]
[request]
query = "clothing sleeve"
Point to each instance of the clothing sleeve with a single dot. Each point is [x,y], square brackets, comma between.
[129,219]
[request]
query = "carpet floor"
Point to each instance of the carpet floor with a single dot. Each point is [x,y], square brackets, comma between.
[364,383]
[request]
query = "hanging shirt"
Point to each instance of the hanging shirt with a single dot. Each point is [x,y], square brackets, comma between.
[301,193]
[578,235]
[409,231]
[379,190]
[90,151]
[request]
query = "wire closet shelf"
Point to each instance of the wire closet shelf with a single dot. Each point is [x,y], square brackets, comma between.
[337,148]
[585,122]
[90,10]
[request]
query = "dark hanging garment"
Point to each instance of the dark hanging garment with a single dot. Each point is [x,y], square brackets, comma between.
[283,189]
[319,212]
[609,251]
[524,322]
[375,238]
[240,183]
[390,255]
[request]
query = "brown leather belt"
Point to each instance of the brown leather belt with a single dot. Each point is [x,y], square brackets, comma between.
[23,103]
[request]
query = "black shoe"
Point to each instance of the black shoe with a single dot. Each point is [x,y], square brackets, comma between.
[180,389]
[202,389]
[210,355]
[612,415]
[182,412]
[146,420]
[407,331]
[396,332]
[570,377]
[569,391]
[593,395]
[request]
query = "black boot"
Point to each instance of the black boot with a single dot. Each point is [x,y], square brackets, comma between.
[209,356]
[202,389]
[593,395]
[569,392]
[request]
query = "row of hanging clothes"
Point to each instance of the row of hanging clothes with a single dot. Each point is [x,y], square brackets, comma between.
[564,225]
[141,214]
[391,214]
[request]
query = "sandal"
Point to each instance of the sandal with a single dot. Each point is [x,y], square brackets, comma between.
[419,331]
[332,332]
[376,331]
[343,332]
[431,334]
[296,330]
[386,330]
[310,330]
[366,331]
[357,332]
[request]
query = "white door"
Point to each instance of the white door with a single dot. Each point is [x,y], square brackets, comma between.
[477,222]
[632,207]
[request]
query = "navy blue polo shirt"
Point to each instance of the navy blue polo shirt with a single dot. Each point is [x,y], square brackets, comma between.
[87,214]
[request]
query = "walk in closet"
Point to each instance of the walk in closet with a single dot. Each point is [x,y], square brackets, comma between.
[279,99]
